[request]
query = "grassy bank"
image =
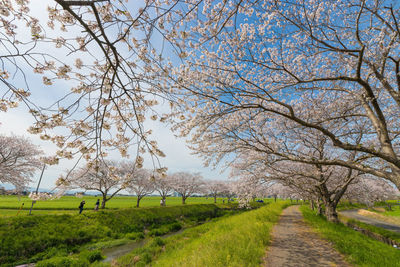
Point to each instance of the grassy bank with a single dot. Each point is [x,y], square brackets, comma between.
[238,240]
[72,202]
[33,238]
[359,249]
[378,230]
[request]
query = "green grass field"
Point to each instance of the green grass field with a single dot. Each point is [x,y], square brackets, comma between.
[10,205]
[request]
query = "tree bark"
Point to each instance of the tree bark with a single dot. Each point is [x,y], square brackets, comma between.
[183,200]
[330,212]
[312,204]
[215,199]
[138,202]
[319,207]
[104,200]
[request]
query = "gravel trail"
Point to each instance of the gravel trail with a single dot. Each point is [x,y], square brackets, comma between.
[295,244]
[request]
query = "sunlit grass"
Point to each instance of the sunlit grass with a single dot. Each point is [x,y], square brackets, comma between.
[238,240]
[11,205]
[394,212]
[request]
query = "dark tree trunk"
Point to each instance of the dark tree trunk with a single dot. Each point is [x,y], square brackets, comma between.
[215,199]
[330,212]
[183,200]
[103,202]
[138,202]
[312,204]
[388,206]
[319,207]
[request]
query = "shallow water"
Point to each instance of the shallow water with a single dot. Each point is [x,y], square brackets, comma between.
[118,251]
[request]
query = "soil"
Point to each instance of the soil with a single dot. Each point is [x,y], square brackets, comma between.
[294,243]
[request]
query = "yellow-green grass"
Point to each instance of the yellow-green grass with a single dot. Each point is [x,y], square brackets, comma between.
[394,212]
[9,205]
[358,249]
[238,240]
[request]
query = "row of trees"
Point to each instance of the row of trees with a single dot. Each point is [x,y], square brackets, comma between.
[20,159]
[110,177]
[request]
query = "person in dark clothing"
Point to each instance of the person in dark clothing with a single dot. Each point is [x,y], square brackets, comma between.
[96,207]
[81,206]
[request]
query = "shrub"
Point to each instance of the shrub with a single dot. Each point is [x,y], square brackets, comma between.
[91,255]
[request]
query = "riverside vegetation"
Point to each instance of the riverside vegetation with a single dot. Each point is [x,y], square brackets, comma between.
[53,237]
[359,249]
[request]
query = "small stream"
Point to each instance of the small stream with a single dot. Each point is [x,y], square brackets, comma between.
[118,251]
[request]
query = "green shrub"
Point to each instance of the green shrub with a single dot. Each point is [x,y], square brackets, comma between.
[158,241]
[91,255]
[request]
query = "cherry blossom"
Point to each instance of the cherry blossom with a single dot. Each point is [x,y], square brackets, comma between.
[19,160]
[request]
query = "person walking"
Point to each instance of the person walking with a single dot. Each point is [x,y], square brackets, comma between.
[81,206]
[96,207]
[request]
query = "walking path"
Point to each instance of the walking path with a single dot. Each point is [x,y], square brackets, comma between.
[354,214]
[295,244]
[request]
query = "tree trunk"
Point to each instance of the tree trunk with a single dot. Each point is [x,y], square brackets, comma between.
[319,206]
[103,202]
[312,204]
[388,206]
[275,198]
[215,199]
[330,212]
[183,200]
[138,202]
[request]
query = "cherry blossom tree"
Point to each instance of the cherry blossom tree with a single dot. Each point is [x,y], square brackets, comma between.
[370,190]
[164,186]
[215,188]
[325,66]
[292,156]
[106,178]
[140,181]
[186,184]
[19,160]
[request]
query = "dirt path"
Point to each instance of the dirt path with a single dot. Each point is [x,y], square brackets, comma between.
[354,214]
[295,244]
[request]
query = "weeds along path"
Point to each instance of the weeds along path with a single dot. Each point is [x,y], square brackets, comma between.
[355,214]
[295,244]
